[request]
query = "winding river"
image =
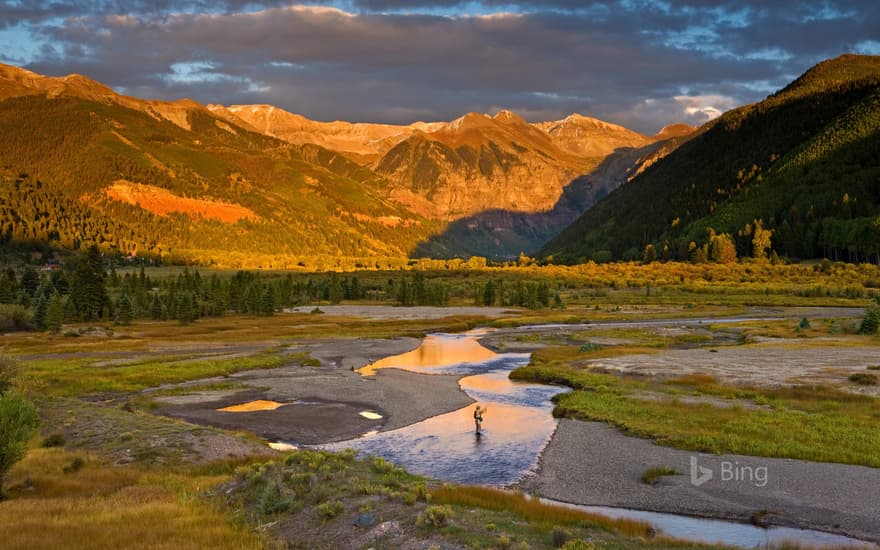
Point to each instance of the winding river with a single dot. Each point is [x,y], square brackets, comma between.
[518,425]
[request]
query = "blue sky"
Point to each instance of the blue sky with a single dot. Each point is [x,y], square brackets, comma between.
[641,63]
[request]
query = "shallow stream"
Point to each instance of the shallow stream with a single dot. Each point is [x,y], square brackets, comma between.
[516,428]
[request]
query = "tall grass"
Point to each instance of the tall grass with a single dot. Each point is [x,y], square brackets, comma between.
[101,506]
[816,423]
[533,510]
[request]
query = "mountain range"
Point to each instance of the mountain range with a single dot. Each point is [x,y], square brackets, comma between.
[254,185]
[803,164]
[230,184]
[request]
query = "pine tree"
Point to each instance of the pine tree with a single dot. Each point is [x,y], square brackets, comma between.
[185,308]
[124,310]
[156,308]
[267,305]
[55,313]
[41,304]
[30,281]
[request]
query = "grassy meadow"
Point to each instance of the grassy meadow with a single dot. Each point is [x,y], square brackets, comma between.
[116,475]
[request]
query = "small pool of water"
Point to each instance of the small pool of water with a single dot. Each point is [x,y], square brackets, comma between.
[252,406]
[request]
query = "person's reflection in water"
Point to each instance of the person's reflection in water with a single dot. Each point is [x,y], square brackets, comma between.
[478,419]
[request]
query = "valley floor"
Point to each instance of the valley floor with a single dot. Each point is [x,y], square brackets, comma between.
[129,374]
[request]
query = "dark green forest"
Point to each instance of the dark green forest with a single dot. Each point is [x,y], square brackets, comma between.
[88,288]
[803,165]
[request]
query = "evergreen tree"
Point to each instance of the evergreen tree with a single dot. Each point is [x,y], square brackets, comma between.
[156,308]
[87,285]
[124,310]
[267,306]
[41,304]
[489,294]
[55,313]
[30,281]
[871,322]
[185,308]
[335,292]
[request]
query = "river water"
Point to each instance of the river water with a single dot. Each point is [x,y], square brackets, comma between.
[516,428]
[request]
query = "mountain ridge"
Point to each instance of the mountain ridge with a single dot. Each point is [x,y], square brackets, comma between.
[243,180]
[801,164]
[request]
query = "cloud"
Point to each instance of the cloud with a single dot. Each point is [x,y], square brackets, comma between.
[643,63]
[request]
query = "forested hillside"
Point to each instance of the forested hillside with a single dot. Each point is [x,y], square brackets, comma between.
[65,158]
[797,174]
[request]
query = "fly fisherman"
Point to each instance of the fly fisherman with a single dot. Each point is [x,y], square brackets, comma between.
[478,418]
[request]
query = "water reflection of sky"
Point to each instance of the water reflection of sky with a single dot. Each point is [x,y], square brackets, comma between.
[516,427]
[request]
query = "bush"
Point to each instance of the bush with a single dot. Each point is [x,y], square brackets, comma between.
[15,317]
[590,346]
[8,373]
[864,379]
[329,510]
[18,420]
[273,502]
[435,516]
[560,537]
[652,476]
[55,439]
[74,465]
[871,322]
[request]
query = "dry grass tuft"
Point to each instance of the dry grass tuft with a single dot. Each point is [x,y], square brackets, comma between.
[102,506]
[533,510]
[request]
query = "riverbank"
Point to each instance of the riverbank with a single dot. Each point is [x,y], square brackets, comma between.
[322,403]
[594,464]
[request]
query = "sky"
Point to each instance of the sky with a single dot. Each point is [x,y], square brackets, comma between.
[639,63]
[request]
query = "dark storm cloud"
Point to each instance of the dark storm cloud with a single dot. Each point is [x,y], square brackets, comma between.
[640,63]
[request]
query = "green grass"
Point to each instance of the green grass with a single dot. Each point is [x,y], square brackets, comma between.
[653,475]
[864,379]
[809,423]
[81,377]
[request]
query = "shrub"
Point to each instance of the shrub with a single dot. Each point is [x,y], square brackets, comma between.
[381,466]
[74,465]
[560,537]
[871,322]
[329,510]
[55,439]
[15,317]
[653,475]
[437,515]
[272,501]
[864,379]
[18,420]
[8,373]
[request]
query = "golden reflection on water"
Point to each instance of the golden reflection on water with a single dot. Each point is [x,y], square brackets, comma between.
[251,406]
[435,351]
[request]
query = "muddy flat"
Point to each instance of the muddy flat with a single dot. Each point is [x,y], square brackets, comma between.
[591,463]
[324,404]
